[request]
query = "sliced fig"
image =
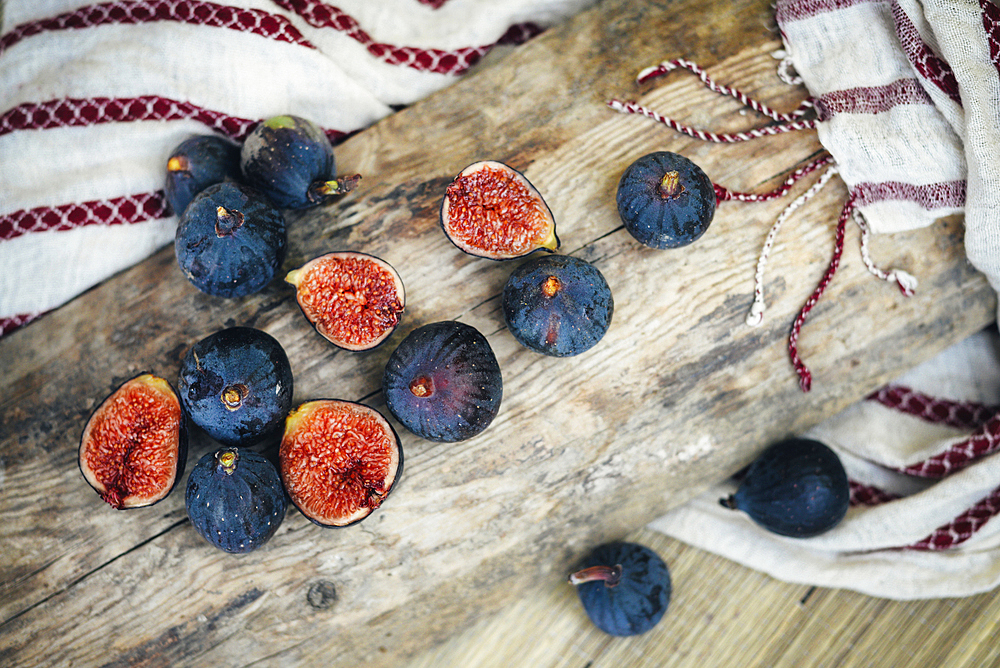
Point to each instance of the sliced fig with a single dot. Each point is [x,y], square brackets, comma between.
[491,210]
[354,300]
[339,460]
[134,446]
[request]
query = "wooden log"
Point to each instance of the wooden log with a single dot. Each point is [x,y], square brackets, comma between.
[678,394]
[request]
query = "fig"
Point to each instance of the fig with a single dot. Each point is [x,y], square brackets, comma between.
[491,210]
[195,164]
[339,460]
[665,200]
[290,160]
[796,487]
[234,499]
[230,241]
[443,382]
[557,305]
[354,300]
[134,446]
[236,384]
[624,587]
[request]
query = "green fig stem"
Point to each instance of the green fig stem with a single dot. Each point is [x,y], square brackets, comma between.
[227,221]
[611,575]
[323,190]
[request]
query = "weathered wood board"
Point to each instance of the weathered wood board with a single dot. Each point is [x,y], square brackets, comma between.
[678,394]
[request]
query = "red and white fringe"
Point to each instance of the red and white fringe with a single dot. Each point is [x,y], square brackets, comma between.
[787,122]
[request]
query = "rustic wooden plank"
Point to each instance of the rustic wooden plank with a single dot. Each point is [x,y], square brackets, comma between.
[724,614]
[678,394]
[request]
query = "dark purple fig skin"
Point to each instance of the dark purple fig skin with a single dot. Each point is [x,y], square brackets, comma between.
[250,362]
[797,488]
[637,601]
[236,507]
[557,305]
[285,157]
[665,217]
[465,387]
[233,255]
[200,161]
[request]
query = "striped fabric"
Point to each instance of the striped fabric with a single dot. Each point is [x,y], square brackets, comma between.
[907,97]
[873,67]
[95,95]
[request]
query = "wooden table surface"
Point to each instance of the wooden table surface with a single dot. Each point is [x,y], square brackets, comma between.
[679,393]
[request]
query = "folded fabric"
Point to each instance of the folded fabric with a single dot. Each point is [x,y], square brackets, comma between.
[924,490]
[907,101]
[94,96]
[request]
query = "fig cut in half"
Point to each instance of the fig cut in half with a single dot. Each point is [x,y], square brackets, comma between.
[354,300]
[491,210]
[339,460]
[134,446]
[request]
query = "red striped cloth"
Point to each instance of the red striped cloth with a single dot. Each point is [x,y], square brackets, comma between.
[95,95]
[907,100]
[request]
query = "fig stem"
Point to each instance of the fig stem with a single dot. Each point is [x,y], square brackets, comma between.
[551,286]
[728,502]
[227,459]
[178,163]
[232,395]
[422,386]
[321,190]
[227,221]
[671,185]
[611,575]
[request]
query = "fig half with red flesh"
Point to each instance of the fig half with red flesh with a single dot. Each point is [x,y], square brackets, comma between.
[134,447]
[339,460]
[352,299]
[491,210]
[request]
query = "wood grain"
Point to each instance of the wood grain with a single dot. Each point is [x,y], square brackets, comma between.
[723,614]
[678,394]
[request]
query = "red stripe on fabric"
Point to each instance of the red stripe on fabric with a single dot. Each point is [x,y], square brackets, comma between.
[321,15]
[796,10]
[963,527]
[966,415]
[70,112]
[985,441]
[196,12]
[991,24]
[868,495]
[125,210]
[927,63]
[14,322]
[871,99]
[931,196]
[434,4]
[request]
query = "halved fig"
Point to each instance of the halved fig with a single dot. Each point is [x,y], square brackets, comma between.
[134,446]
[339,460]
[491,210]
[354,300]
